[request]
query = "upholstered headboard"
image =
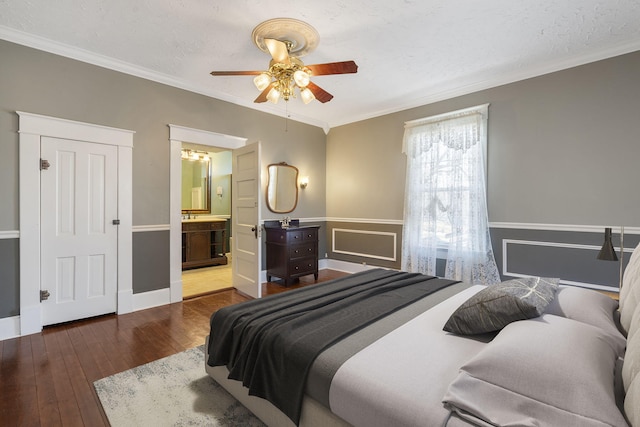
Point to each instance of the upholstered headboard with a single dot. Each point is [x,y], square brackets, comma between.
[630,321]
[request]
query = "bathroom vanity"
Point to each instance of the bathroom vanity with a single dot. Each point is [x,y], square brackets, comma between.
[203,242]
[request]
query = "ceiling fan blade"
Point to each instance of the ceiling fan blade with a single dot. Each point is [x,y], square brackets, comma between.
[320,94]
[344,67]
[263,95]
[236,73]
[278,50]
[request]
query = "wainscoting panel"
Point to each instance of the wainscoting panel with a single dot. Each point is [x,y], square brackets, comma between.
[365,243]
[369,244]
[569,255]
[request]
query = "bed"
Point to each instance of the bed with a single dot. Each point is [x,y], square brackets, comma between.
[568,356]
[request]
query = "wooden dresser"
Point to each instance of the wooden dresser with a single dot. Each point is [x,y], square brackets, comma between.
[203,243]
[291,252]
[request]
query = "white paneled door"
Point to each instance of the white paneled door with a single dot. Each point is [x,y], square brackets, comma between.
[245,182]
[79,240]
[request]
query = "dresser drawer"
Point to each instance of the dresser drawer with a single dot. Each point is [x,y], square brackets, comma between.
[303,266]
[303,250]
[310,235]
[295,236]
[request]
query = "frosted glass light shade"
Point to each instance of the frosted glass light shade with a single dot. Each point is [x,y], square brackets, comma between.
[262,81]
[273,95]
[301,78]
[307,96]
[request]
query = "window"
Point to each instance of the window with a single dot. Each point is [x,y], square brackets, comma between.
[445,199]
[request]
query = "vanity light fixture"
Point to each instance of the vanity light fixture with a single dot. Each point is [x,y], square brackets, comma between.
[304,181]
[189,154]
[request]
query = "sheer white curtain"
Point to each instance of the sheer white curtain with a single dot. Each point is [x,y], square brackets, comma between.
[445,209]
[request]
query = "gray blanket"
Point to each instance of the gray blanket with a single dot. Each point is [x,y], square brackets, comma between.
[270,344]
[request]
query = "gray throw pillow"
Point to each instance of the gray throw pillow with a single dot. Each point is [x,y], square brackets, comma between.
[496,306]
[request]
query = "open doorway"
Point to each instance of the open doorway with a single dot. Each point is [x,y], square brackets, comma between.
[177,136]
[206,220]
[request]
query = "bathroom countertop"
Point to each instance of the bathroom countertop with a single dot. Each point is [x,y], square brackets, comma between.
[204,219]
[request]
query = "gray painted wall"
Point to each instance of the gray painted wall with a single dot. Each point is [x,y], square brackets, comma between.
[9,276]
[562,149]
[47,84]
[561,146]
[151,269]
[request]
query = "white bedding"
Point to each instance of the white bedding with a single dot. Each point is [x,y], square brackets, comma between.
[374,388]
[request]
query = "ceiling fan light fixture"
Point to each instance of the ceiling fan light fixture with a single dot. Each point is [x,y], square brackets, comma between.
[262,81]
[285,40]
[301,78]
[273,95]
[306,95]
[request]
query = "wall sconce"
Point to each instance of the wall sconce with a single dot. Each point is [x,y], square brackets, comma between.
[304,181]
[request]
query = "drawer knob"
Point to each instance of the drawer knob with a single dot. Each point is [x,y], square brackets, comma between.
[297,268]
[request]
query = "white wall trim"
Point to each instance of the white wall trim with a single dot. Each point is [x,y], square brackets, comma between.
[204,137]
[380,233]
[178,135]
[349,267]
[32,127]
[9,327]
[366,220]
[76,53]
[505,262]
[151,299]
[158,227]
[11,234]
[482,83]
[563,227]
[62,128]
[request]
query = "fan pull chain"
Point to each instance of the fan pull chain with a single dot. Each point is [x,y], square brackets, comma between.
[286,116]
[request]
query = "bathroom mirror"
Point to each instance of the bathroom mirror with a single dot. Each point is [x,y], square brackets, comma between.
[196,185]
[282,188]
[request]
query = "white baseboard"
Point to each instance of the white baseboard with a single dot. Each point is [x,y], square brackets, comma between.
[348,267]
[9,327]
[151,299]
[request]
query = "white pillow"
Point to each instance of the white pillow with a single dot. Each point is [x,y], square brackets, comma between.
[544,371]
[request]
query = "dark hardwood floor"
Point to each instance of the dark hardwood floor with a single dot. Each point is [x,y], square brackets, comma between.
[46,379]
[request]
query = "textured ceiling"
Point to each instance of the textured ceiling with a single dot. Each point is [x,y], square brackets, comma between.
[409,52]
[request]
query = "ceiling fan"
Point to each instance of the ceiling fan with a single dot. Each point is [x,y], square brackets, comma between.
[286,40]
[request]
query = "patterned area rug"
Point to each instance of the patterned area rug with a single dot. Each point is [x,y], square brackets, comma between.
[174,391]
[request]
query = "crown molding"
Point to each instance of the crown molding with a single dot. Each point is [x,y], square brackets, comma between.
[500,80]
[82,55]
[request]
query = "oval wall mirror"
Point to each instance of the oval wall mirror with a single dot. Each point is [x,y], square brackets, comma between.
[282,188]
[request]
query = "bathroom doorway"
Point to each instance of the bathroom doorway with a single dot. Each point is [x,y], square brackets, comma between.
[203,279]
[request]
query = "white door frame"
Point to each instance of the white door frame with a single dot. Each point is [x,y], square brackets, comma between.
[31,128]
[178,135]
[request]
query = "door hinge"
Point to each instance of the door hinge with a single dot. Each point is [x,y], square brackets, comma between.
[44,295]
[44,164]
[116,222]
